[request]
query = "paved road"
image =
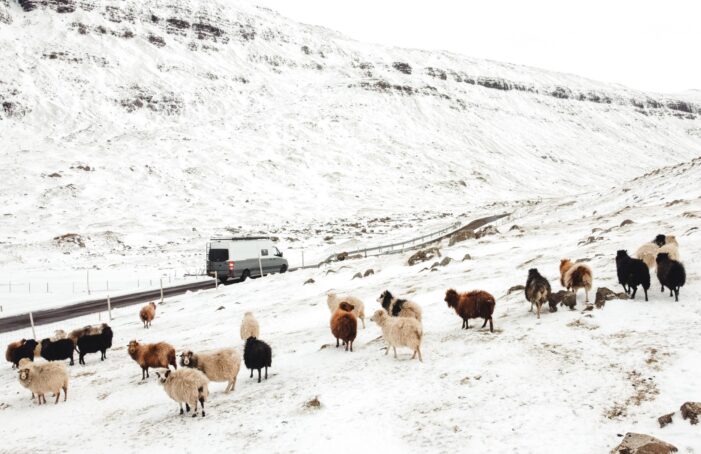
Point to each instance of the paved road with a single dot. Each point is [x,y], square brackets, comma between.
[57,314]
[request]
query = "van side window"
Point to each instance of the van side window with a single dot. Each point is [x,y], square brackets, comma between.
[218,255]
[263,252]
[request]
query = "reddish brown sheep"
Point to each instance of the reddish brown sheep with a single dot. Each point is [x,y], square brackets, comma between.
[10,351]
[147,314]
[474,304]
[161,354]
[344,325]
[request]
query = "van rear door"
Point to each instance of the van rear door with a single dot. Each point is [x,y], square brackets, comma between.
[217,260]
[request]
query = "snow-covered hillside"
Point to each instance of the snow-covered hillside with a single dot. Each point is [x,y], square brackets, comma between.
[572,381]
[145,126]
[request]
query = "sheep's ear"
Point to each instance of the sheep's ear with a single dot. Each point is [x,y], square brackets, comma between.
[167,373]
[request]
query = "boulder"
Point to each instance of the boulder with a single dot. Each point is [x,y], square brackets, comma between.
[309,281]
[516,288]
[603,294]
[467,257]
[461,235]
[643,444]
[357,275]
[368,272]
[665,419]
[691,411]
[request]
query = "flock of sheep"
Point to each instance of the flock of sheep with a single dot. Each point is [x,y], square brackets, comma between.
[399,319]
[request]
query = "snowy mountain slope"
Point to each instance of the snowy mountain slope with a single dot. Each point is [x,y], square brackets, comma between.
[146,126]
[572,381]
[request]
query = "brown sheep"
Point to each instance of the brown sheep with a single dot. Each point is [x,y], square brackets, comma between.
[574,276]
[11,347]
[147,314]
[161,354]
[344,325]
[474,304]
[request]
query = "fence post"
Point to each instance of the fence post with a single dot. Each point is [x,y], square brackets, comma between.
[47,287]
[87,280]
[29,286]
[260,265]
[107,285]
[216,280]
[109,306]
[161,290]
[74,287]
[31,321]
[302,258]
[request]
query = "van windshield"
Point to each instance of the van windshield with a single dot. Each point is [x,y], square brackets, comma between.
[218,255]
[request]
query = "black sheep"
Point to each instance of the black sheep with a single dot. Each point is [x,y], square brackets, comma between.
[257,355]
[58,350]
[537,290]
[660,240]
[671,274]
[95,343]
[26,350]
[631,273]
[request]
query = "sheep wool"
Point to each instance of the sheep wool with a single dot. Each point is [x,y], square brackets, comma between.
[333,300]
[249,326]
[217,365]
[397,307]
[161,354]
[537,290]
[147,314]
[186,385]
[400,332]
[51,377]
[648,253]
[344,325]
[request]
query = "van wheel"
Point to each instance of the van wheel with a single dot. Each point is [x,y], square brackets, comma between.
[246,274]
[283,268]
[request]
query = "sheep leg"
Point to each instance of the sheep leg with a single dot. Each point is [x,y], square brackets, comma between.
[266,372]
[538,310]
[485,322]
[202,405]
[81,359]
[351,346]
[71,363]
[676,294]
[337,342]
[586,293]
[491,325]
[531,309]
[362,319]
[65,391]
[194,413]
[671,292]
[251,374]
[58,396]
[387,351]
[395,352]
[418,350]
[258,375]
[181,407]
[662,288]
[645,293]
[635,290]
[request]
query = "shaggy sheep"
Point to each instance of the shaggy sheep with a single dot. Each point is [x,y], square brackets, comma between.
[26,350]
[93,343]
[537,290]
[58,350]
[249,326]
[474,304]
[147,314]
[399,307]
[187,386]
[43,378]
[333,300]
[257,355]
[671,274]
[400,332]
[10,351]
[647,253]
[58,335]
[631,273]
[161,354]
[344,325]
[574,276]
[217,365]
[89,330]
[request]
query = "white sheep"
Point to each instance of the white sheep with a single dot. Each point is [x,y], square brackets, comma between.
[399,307]
[400,332]
[671,247]
[333,300]
[217,365]
[41,378]
[185,385]
[249,326]
[648,254]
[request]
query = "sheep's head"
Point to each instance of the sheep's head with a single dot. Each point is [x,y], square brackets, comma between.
[565,264]
[133,347]
[162,376]
[24,375]
[533,272]
[660,240]
[385,299]
[671,239]
[662,257]
[31,343]
[451,297]
[346,306]
[379,317]
[186,359]
[153,305]
[621,254]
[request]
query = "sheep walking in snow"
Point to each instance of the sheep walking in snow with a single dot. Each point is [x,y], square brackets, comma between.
[400,332]
[671,247]
[344,325]
[10,351]
[161,354]
[93,343]
[537,290]
[57,350]
[249,326]
[45,378]
[399,307]
[671,274]
[474,304]
[333,300]
[257,355]
[217,365]
[185,386]
[632,273]
[574,276]
[147,314]
[26,350]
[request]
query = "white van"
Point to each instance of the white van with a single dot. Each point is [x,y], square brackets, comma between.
[243,257]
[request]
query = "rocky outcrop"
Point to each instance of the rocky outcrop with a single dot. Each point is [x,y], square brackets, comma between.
[643,444]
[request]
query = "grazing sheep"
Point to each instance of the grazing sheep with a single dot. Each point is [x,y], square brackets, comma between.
[631,273]
[344,325]
[147,314]
[58,350]
[334,300]
[399,307]
[257,355]
[89,330]
[671,274]
[10,351]
[43,378]
[574,276]
[400,332]
[647,253]
[26,350]
[537,290]
[93,343]
[249,326]
[217,365]
[187,386]
[161,354]
[474,304]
